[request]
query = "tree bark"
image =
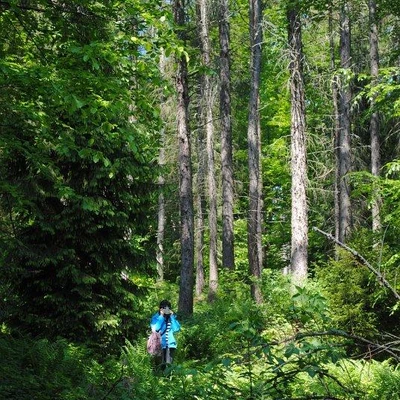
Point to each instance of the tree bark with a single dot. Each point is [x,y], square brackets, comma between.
[344,145]
[374,122]
[228,257]
[200,206]
[299,219]
[254,146]
[161,182]
[336,118]
[161,223]
[185,303]
[207,107]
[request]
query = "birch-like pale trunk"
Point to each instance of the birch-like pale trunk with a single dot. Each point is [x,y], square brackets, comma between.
[185,303]
[228,255]
[299,218]
[374,122]
[254,237]
[344,145]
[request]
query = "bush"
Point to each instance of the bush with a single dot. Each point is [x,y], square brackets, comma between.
[349,291]
[40,369]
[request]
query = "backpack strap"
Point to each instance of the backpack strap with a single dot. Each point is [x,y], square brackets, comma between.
[161,328]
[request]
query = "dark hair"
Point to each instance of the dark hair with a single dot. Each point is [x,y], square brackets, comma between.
[165,303]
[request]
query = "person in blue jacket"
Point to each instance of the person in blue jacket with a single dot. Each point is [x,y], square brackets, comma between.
[165,322]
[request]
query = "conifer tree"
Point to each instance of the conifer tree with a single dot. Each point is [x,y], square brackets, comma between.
[299,219]
[254,228]
[228,256]
[185,305]
[344,142]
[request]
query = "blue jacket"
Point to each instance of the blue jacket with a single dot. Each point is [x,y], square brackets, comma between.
[158,324]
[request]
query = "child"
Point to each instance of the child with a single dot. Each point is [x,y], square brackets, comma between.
[165,322]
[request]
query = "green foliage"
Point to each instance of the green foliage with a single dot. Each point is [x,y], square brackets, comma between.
[79,110]
[242,336]
[359,303]
[390,191]
[245,346]
[308,309]
[232,348]
[49,370]
[383,380]
[349,298]
[349,379]
[386,92]
[381,247]
[140,380]
[78,139]
[277,184]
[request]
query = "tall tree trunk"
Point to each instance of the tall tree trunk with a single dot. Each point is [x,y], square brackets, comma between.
[344,145]
[253,138]
[374,123]
[185,304]
[228,257]
[200,206]
[161,182]
[336,118]
[203,12]
[299,222]
[161,217]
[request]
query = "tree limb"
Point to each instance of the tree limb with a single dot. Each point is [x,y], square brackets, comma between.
[7,5]
[389,347]
[381,279]
[393,351]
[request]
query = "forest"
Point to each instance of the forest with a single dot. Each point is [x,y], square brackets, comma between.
[240,159]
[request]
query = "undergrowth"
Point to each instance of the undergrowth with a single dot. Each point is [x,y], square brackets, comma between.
[287,348]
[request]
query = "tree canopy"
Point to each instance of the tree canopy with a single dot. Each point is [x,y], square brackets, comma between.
[238,158]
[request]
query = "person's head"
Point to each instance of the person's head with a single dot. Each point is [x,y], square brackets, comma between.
[165,303]
[165,308]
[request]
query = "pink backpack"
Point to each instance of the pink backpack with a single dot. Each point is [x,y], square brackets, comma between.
[154,344]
